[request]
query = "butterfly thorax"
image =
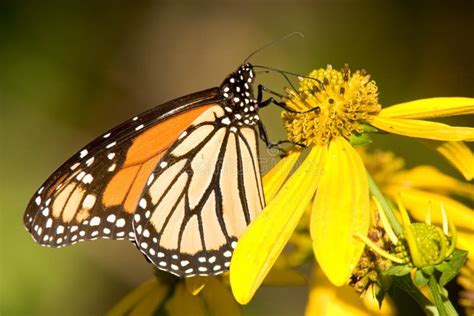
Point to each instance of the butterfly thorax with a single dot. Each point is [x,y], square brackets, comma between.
[241,106]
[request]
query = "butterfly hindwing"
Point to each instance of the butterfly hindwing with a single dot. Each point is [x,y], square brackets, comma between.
[203,194]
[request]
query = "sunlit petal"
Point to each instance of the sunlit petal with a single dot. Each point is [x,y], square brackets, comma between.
[263,241]
[273,179]
[423,129]
[458,155]
[219,299]
[418,203]
[428,108]
[136,296]
[466,242]
[340,210]
[184,303]
[430,178]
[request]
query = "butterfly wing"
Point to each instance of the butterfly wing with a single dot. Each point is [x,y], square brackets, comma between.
[204,193]
[95,193]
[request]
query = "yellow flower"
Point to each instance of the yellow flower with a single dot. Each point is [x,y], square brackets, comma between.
[424,188]
[331,108]
[166,294]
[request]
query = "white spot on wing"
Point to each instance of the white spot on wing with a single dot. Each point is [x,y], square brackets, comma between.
[95,221]
[60,229]
[111,218]
[80,175]
[120,222]
[88,179]
[89,201]
[90,161]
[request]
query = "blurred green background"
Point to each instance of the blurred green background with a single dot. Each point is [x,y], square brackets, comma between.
[71,70]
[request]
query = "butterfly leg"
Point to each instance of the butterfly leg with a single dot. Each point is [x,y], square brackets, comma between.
[280,104]
[261,127]
[262,131]
[262,103]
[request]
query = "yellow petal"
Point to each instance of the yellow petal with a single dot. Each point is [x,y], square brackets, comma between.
[196,284]
[267,235]
[423,129]
[340,210]
[418,202]
[430,178]
[134,297]
[428,108]
[458,155]
[219,299]
[184,303]
[326,299]
[273,179]
[466,242]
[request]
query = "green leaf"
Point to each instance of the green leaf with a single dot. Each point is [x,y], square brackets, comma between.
[451,268]
[385,281]
[420,278]
[380,295]
[360,139]
[398,270]
[428,270]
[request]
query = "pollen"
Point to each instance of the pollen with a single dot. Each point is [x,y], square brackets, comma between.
[330,103]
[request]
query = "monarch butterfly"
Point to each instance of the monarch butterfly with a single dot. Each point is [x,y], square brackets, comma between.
[182,181]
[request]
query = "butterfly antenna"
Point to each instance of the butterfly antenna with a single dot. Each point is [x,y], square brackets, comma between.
[272,43]
[284,73]
[281,73]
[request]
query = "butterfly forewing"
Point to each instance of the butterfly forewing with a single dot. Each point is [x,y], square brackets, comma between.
[95,193]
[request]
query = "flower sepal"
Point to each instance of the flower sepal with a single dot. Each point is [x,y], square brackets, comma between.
[360,139]
[451,267]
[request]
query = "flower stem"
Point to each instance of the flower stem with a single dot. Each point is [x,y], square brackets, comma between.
[443,304]
[405,283]
[374,189]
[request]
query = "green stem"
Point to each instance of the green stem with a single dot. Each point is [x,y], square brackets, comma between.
[374,189]
[406,284]
[436,296]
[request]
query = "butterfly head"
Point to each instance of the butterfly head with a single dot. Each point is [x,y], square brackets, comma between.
[237,87]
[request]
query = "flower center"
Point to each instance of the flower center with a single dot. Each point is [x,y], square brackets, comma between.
[336,103]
